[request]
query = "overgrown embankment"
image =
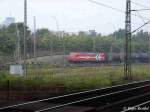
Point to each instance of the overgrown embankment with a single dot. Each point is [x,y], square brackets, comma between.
[47,81]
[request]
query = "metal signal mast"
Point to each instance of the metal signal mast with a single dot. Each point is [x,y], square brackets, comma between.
[127,57]
[34,36]
[25,37]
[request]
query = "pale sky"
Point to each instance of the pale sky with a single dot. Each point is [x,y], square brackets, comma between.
[74,15]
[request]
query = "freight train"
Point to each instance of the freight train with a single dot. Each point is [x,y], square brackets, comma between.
[101,57]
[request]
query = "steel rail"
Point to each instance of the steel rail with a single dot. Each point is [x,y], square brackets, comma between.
[92,98]
[69,95]
[122,103]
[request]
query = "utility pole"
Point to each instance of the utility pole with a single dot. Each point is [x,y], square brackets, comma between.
[64,48]
[127,57]
[93,35]
[51,45]
[25,37]
[34,37]
[18,44]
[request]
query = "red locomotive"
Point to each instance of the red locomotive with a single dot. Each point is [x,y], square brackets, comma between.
[101,57]
[76,57]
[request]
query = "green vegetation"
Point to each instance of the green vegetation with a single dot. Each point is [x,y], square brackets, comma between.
[8,38]
[83,41]
[72,79]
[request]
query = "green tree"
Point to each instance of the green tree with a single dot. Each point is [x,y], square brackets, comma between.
[8,37]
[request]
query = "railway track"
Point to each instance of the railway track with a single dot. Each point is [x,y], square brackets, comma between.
[93,65]
[110,99]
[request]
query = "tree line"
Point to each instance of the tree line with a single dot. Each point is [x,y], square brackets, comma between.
[83,41]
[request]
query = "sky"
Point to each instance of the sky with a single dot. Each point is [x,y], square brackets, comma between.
[75,15]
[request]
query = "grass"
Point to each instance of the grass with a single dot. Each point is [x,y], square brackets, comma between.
[73,79]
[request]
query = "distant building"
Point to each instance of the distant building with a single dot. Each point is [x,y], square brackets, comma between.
[92,33]
[8,21]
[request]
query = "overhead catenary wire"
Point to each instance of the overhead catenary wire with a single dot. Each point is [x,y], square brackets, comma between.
[141,17]
[140,26]
[107,6]
[115,9]
[141,5]
[141,10]
[145,8]
[119,10]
